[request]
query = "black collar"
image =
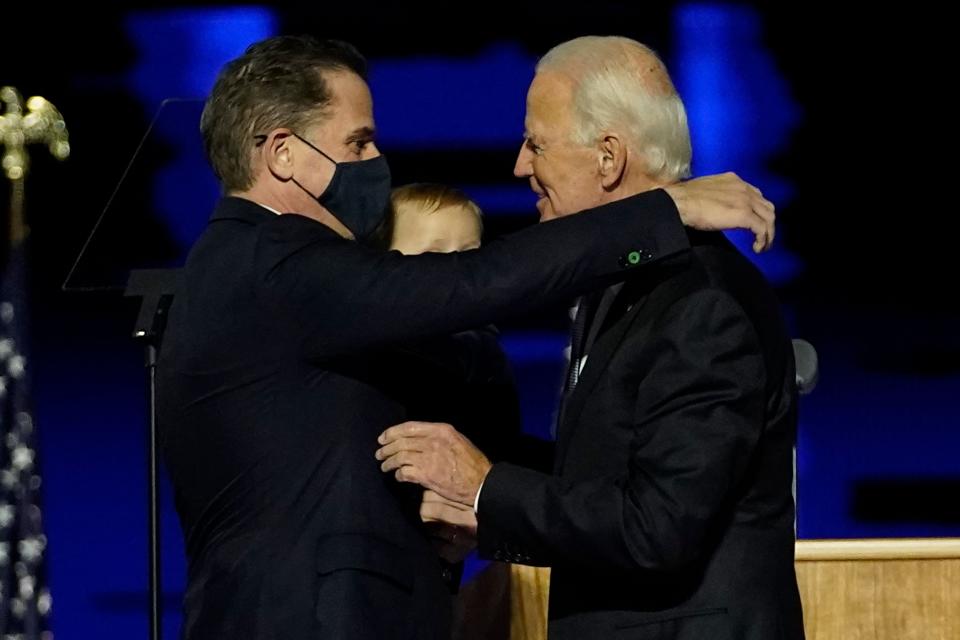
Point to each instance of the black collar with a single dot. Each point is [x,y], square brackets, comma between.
[249,212]
[233,208]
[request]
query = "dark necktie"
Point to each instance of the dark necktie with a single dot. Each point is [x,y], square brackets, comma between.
[591,308]
[578,336]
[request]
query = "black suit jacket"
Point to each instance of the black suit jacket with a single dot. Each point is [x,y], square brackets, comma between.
[271,399]
[669,512]
[464,379]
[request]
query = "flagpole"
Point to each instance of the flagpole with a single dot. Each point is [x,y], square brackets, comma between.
[24,602]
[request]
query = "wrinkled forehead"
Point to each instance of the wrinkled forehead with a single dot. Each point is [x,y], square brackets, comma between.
[549,103]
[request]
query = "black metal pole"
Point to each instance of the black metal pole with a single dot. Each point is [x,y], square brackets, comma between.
[153,516]
[155,288]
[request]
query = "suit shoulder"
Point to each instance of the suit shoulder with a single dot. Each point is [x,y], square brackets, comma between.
[704,306]
[731,275]
[726,268]
[715,274]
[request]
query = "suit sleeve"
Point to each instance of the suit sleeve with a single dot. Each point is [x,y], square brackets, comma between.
[339,296]
[531,452]
[699,415]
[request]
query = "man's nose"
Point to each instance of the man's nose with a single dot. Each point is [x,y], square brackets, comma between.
[523,167]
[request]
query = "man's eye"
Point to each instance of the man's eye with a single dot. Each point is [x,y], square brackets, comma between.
[535,148]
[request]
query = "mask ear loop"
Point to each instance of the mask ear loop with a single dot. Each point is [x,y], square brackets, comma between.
[307,142]
[261,138]
[318,198]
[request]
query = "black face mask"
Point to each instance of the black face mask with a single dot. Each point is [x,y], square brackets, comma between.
[358,193]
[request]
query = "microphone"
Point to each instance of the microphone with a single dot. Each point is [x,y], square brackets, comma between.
[808,372]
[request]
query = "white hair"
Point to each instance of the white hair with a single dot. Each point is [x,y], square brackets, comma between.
[612,92]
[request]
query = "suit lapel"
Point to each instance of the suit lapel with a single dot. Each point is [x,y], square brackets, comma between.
[608,339]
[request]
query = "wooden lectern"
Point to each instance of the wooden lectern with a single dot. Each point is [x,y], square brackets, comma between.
[879,589]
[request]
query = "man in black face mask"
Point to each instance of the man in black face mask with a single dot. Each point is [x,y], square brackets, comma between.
[358,190]
[270,402]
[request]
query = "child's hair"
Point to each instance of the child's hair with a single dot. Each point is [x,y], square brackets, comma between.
[423,198]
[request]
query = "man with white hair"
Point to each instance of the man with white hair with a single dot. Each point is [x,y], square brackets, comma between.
[270,380]
[668,512]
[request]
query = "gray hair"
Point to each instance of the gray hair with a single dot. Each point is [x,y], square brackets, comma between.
[613,91]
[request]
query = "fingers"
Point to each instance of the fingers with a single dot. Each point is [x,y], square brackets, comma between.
[761,217]
[431,497]
[399,459]
[434,512]
[410,474]
[761,206]
[435,456]
[404,430]
[763,233]
[764,210]
[396,446]
[454,513]
[409,436]
[726,201]
[765,207]
[415,429]
[771,217]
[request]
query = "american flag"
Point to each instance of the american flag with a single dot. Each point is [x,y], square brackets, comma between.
[24,598]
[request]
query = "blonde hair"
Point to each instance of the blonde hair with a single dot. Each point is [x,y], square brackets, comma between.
[423,198]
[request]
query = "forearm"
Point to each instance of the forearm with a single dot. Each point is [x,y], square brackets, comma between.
[393,298]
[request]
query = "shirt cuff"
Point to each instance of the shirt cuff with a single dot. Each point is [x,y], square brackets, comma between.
[476,501]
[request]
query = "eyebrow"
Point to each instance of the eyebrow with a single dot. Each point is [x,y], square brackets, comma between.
[362,133]
[531,136]
[532,143]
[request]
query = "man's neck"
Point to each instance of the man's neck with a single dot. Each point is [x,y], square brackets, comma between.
[630,188]
[622,194]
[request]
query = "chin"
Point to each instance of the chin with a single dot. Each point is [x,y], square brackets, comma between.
[546,211]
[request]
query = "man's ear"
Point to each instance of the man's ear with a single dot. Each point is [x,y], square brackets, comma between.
[612,160]
[276,153]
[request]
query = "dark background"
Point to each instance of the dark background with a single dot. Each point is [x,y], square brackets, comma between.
[842,118]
